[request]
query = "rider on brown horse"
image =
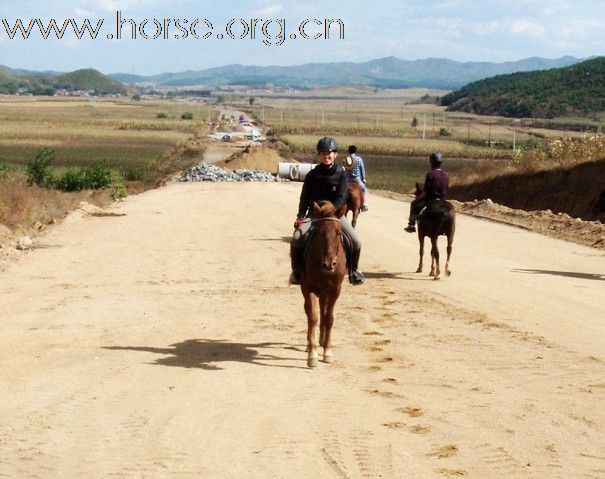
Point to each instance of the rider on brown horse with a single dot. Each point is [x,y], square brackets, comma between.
[356,171]
[327,181]
[433,193]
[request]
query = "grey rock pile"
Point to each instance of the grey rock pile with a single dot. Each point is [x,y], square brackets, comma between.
[209,172]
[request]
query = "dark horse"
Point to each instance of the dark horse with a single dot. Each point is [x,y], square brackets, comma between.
[321,279]
[354,201]
[437,219]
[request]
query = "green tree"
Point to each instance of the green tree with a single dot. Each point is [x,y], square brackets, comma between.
[38,169]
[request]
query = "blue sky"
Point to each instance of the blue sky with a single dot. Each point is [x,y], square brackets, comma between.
[462,30]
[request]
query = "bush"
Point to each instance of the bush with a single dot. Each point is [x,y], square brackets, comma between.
[3,171]
[134,172]
[70,180]
[162,115]
[445,132]
[38,169]
[97,175]
[187,116]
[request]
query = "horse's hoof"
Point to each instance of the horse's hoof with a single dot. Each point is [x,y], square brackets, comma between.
[419,270]
[436,278]
[328,358]
[312,362]
[448,273]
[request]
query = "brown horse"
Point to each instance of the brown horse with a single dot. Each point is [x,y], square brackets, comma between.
[433,224]
[354,201]
[321,280]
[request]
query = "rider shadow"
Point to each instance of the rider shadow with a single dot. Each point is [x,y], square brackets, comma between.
[209,353]
[567,274]
[283,239]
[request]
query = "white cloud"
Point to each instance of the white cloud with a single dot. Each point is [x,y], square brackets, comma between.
[270,10]
[527,28]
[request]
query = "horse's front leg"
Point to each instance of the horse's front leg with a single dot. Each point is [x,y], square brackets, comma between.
[421,240]
[355,216]
[434,259]
[327,321]
[312,312]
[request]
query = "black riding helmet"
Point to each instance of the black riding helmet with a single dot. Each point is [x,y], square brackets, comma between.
[326,145]
[436,158]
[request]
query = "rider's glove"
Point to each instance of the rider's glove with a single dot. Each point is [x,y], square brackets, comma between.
[298,222]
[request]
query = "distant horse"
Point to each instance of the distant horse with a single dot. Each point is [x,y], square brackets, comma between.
[355,201]
[321,280]
[434,222]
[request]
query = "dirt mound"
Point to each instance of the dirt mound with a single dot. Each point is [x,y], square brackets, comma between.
[577,190]
[254,158]
[557,225]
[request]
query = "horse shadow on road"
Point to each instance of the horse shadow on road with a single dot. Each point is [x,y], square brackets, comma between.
[209,353]
[567,274]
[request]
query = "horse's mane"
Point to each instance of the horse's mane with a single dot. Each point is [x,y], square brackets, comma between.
[324,209]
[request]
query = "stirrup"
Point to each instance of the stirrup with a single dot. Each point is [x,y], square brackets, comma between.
[364,207]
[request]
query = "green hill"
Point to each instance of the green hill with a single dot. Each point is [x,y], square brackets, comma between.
[48,83]
[88,79]
[577,90]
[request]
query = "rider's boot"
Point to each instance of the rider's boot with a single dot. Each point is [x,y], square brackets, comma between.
[295,252]
[411,227]
[356,276]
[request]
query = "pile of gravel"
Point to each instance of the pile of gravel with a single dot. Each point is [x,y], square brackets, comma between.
[209,172]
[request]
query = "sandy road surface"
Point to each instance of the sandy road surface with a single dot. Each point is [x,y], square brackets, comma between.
[165,342]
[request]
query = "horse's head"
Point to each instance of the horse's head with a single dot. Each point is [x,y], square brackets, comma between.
[327,240]
[418,190]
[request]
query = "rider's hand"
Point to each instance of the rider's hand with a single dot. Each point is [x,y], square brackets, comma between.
[297,222]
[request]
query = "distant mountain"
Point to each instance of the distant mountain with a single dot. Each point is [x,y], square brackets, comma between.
[577,90]
[47,83]
[388,72]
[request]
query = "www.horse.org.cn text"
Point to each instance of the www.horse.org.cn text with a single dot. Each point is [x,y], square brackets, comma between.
[270,31]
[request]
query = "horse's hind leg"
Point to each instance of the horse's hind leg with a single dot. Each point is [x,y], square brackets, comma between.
[434,259]
[421,240]
[312,319]
[450,240]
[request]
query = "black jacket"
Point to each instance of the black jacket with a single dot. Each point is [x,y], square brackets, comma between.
[323,183]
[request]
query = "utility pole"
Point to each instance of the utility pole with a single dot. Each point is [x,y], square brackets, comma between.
[424,127]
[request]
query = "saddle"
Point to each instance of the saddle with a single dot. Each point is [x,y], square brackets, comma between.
[434,210]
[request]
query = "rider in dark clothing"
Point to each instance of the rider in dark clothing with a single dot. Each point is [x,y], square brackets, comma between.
[327,181]
[435,190]
[323,183]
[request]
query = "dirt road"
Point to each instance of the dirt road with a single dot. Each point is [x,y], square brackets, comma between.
[163,341]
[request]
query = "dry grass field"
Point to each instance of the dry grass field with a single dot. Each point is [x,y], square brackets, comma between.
[81,130]
[396,132]
[141,141]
